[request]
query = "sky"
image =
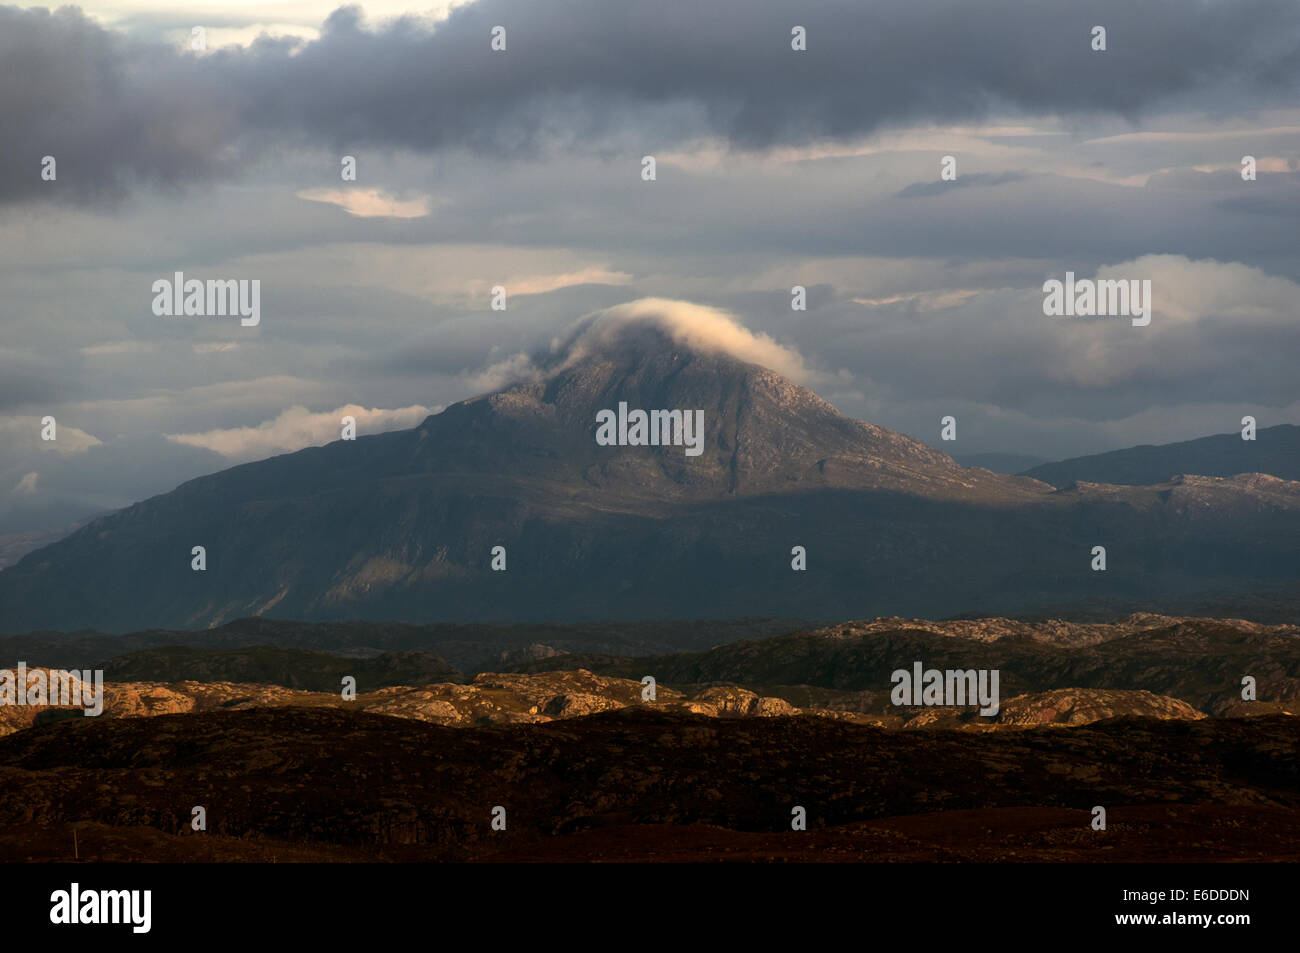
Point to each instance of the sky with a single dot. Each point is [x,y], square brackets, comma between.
[523,168]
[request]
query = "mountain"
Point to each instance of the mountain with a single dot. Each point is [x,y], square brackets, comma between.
[401,525]
[1275,451]
[16,544]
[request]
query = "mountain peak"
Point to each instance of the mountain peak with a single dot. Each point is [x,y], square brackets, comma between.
[411,524]
[653,325]
[762,431]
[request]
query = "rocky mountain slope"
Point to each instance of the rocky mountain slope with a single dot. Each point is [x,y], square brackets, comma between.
[401,526]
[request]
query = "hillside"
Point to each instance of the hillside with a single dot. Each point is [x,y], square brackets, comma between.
[1274,451]
[401,526]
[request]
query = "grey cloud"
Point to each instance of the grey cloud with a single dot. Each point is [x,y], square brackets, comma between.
[111,111]
[464,341]
[976,180]
[589,76]
[27,382]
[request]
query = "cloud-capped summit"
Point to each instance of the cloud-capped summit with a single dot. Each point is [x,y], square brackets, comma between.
[696,327]
[407,524]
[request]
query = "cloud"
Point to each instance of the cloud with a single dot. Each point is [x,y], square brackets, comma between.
[1220,333]
[541,284]
[925,189]
[27,485]
[503,373]
[298,427]
[692,325]
[582,76]
[923,300]
[20,437]
[610,330]
[370,203]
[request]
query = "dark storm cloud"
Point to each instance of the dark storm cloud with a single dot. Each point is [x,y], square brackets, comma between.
[589,75]
[111,111]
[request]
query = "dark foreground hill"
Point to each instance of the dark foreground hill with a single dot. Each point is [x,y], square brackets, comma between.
[271,665]
[402,526]
[328,784]
[469,647]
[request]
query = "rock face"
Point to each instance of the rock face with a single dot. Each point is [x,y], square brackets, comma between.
[1070,706]
[729,700]
[120,701]
[401,525]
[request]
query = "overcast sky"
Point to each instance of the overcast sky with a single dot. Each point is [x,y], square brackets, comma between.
[523,168]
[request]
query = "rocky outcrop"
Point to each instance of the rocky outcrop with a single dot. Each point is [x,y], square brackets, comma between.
[1079,706]
[491,699]
[508,699]
[731,700]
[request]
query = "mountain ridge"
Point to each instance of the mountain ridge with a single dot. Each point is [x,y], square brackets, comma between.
[402,525]
[1275,451]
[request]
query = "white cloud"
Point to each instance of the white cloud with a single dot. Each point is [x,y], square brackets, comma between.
[923,300]
[371,203]
[542,283]
[499,374]
[26,486]
[693,325]
[20,436]
[299,427]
